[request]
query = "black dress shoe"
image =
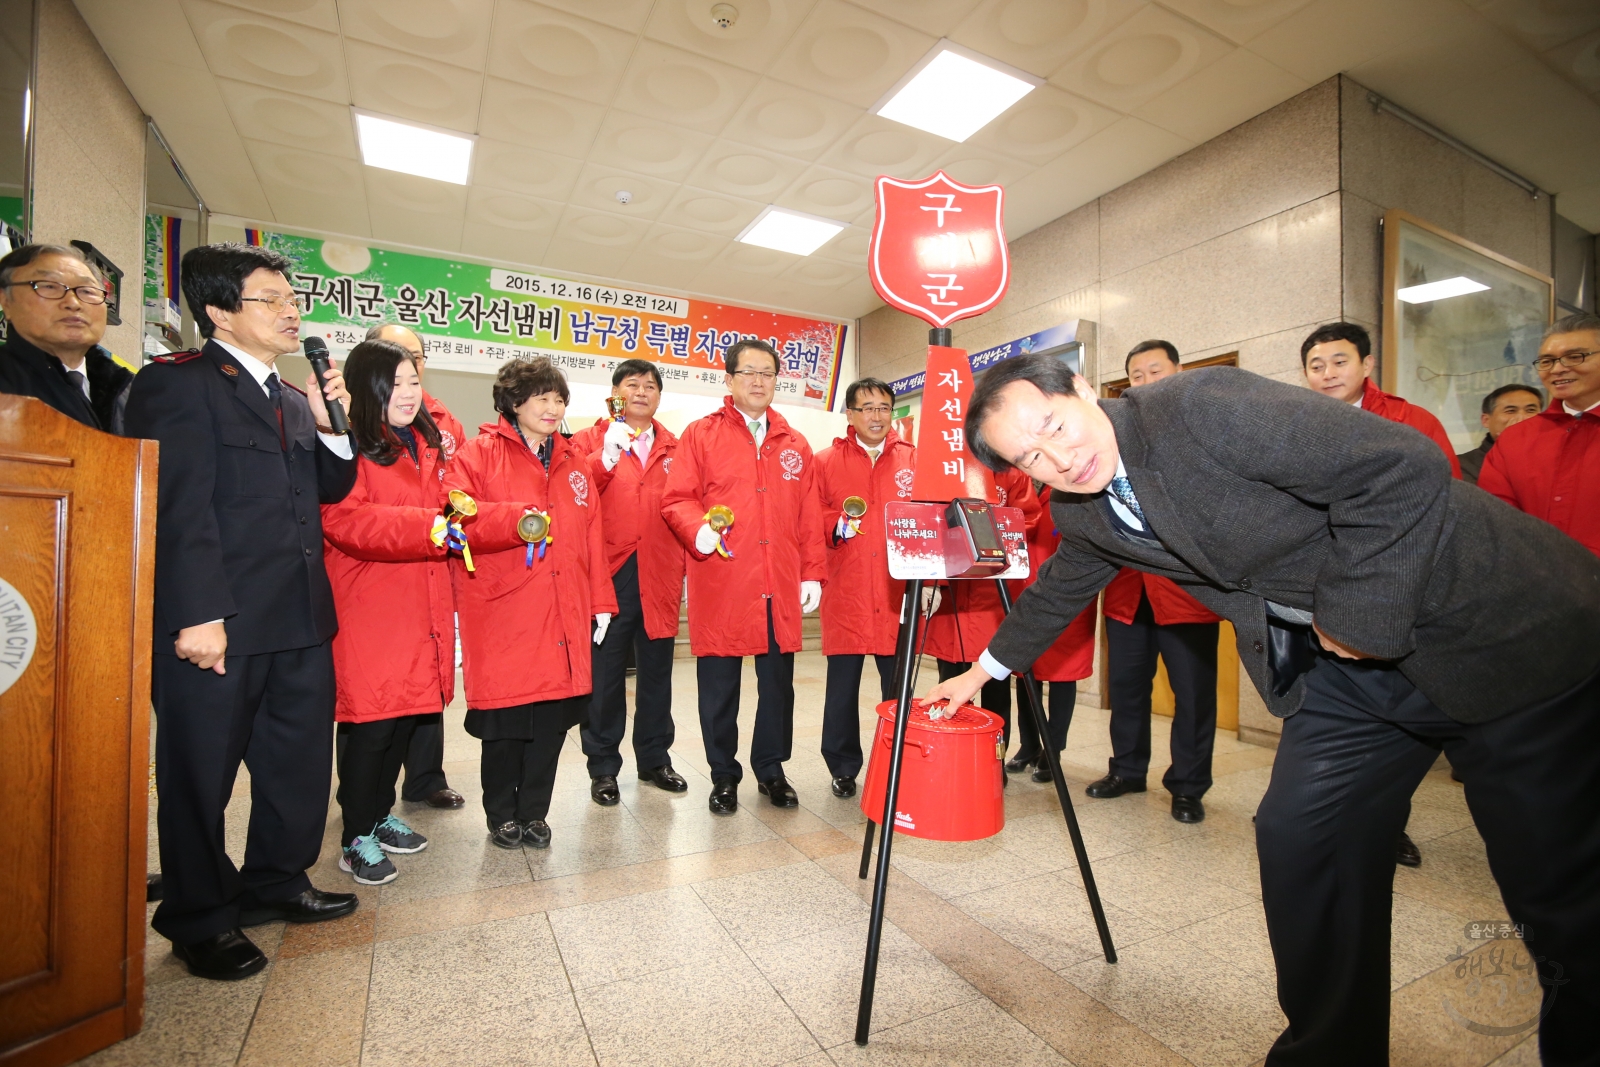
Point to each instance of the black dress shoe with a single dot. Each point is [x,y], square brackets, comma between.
[152,887]
[664,777]
[724,797]
[1188,809]
[536,833]
[780,792]
[446,798]
[507,835]
[1019,763]
[603,790]
[1041,773]
[1406,852]
[1112,786]
[844,785]
[312,906]
[227,957]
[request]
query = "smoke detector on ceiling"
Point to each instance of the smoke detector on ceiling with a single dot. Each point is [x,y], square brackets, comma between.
[623,196]
[723,16]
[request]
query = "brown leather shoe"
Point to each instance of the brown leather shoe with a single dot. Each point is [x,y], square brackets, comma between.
[446,798]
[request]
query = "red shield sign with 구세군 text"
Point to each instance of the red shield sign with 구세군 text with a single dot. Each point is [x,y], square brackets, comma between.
[939,248]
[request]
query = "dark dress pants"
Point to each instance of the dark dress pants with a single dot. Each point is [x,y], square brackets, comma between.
[1347,765]
[1058,716]
[1189,650]
[424,760]
[653,730]
[995,696]
[773,736]
[370,755]
[274,712]
[519,776]
[841,715]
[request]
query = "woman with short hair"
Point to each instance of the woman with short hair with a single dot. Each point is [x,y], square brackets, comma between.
[539,577]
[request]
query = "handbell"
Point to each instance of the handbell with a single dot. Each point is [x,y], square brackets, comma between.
[855,507]
[618,406]
[533,526]
[461,505]
[720,517]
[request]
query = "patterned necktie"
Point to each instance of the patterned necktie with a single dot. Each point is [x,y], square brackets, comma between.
[1122,489]
[873,454]
[275,391]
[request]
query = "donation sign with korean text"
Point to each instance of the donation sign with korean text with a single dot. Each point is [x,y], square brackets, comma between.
[939,248]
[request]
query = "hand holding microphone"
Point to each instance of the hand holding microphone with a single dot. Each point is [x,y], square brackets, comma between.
[325,389]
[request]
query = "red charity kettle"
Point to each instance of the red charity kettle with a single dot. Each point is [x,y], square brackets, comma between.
[951,779]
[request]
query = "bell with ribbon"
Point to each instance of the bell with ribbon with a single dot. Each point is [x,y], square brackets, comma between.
[720,519]
[534,528]
[448,532]
[854,508]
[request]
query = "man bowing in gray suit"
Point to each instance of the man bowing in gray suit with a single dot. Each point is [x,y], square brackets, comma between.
[1386,611]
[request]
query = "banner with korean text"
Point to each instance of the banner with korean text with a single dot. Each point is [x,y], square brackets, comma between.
[473,318]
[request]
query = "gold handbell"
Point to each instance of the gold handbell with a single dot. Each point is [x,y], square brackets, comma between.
[617,405]
[855,507]
[533,527]
[461,506]
[720,517]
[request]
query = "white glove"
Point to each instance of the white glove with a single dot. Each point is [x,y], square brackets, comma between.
[617,441]
[602,623]
[705,542]
[845,531]
[810,596]
[930,599]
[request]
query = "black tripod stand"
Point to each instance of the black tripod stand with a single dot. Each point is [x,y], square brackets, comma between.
[905,669]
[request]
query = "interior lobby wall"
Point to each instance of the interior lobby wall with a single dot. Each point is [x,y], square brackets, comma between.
[88,178]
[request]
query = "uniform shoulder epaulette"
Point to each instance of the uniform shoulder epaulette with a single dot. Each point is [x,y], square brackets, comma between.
[176,357]
[291,385]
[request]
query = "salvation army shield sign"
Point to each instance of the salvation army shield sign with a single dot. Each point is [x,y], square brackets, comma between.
[939,248]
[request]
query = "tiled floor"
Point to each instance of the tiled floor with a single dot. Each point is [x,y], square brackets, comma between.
[653,933]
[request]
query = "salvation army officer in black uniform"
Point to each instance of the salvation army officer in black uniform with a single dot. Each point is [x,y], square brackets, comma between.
[243,612]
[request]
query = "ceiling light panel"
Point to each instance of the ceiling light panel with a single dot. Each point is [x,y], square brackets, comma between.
[410,149]
[790,231]
[955,92]
[1440,290]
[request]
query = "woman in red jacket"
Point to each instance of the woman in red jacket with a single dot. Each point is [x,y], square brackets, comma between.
[539,577]
[394,654]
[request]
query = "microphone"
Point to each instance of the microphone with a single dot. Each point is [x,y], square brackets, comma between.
[317,355]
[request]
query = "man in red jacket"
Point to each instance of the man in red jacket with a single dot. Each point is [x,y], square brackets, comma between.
[750,581]
[1549,466]
[1337,360]
[630,458]
[861,604]
[425,781]
[1147,616]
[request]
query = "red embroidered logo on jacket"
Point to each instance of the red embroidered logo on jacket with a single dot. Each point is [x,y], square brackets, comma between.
[580,488]
[902,481]
[447,444]
[792,464]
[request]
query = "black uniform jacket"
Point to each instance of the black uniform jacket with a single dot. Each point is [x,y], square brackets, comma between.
[238,526]
[1260,491]
[26,370]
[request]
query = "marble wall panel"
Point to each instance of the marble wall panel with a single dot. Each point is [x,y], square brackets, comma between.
[1363,257]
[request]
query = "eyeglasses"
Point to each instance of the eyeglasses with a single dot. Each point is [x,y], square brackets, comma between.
[756,375]
[1566,359]
[89,294]
[874,409]
[275,302]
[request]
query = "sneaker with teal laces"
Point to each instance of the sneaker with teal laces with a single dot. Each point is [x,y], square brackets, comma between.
[395,836]
[363,860]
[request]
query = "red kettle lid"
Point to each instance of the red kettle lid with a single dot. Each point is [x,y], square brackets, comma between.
[967,719]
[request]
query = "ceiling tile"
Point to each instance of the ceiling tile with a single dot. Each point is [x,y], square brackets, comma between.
[542,120]
[423,229]
[754,39]
[283,55]
[405,86]
[407,192]
[850,54]
[309,172]
[934,17]
[849,247]
[753,259]
[657,272]
[683,88]
[875,146]
[554,50]
[793,121]
[600,228]
[449,31]
[833,194]
[154,35]
[567,255]
[1149,53]
[710,211]
[1040,35]
[1115,155]
[648,146]
[508,166]
[284,118]
[597,187]
[978,166]
[1578,61]
[823,273]
[1329,36]
[1542,24]
[854,299]
[512,211]
[319,13]
[1239,86]
[1237,22]
[622,14]
[681,245]
[1042,125]
[523,248]
[744,171]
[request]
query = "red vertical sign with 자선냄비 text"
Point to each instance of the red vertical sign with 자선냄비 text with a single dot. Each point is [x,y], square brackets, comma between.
[945,467]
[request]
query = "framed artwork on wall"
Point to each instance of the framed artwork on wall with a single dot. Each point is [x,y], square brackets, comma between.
[1458,322]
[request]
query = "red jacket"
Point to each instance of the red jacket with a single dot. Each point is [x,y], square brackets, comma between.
[970,610]
[776,537]
[1071,658]
[631,496]
[395,652]
[1170,604]
[1549,467]
[1393,408]
[861,604]
[526,629]
[451,434]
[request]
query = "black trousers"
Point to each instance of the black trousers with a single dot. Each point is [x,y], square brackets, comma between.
[1190,652]
[1346,768]
[772,739]
[841,714]
[995,696]
[424,760]
[653,730]
[1058,716]
[520,776]
[370,755]
[273,712]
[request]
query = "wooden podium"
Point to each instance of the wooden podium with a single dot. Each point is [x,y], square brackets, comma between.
[77,572]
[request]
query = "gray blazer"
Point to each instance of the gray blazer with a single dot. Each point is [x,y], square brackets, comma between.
[1260,491]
